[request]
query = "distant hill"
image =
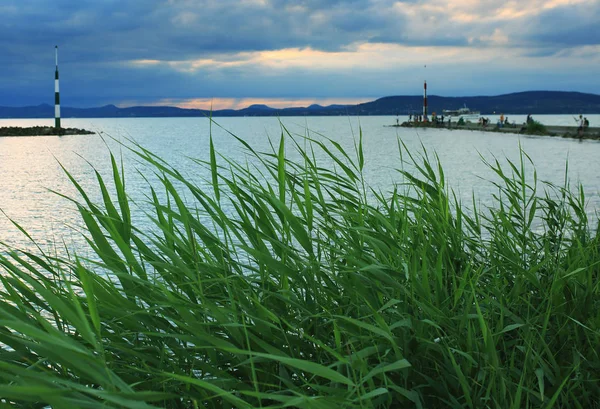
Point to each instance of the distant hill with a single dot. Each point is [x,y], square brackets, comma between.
[530,102]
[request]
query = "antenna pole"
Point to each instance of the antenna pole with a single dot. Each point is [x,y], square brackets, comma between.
[425,98]
[425,101]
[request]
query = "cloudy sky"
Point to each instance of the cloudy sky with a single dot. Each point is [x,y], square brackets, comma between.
[232,53]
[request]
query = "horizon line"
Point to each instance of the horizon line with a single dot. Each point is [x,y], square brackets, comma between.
[275,103]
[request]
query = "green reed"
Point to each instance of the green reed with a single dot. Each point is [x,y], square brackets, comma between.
[312,291]
[536,128]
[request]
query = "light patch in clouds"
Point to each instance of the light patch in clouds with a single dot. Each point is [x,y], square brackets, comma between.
[550,4]
[240,103]
[185,18]
[262,3]
[367,56]
[8,9]
[497,38]
[473,11]
[193,66]
[590,53]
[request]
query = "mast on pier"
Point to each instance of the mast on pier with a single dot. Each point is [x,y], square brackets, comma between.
[425,101]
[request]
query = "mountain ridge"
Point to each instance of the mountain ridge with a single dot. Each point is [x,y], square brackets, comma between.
[524,102]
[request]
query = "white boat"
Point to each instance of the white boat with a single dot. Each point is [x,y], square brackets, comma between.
[465,113]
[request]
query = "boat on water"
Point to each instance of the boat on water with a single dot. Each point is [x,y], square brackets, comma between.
[465,113]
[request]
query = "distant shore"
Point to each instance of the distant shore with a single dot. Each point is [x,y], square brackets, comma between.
[519,103]
[12,131]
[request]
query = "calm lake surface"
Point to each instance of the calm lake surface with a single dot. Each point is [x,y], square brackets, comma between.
[30,169]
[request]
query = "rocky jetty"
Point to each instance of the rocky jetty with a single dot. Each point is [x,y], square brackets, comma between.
[41,130]
[536,130]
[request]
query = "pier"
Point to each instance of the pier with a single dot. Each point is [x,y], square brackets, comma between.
[522,129]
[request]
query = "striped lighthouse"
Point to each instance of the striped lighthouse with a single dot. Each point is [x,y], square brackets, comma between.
[425,101]
[56,95]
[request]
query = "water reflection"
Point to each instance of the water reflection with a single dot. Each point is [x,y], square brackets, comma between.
[30,166]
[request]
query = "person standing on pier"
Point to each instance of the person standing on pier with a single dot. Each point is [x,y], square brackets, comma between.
[580,128]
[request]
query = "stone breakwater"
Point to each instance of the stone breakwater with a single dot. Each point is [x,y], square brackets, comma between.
[545,130]
[41,131]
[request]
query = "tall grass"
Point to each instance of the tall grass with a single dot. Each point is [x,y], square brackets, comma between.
[310,293]
[534,127]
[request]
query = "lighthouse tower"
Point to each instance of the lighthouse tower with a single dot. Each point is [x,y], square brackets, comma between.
[56,95]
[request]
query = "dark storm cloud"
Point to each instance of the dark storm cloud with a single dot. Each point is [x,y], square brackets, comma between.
[98,40]
[109,30]
[566,26]
[115,30]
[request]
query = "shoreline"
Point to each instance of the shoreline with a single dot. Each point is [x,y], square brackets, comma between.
[17,131]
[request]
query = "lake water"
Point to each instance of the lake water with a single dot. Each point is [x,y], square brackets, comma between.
[29,166]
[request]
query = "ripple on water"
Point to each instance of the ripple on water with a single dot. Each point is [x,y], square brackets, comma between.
[31,166]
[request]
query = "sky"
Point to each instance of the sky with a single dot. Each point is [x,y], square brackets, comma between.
[234,53]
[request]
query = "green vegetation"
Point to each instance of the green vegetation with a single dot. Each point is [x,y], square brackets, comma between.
[41,130]
[536,128]
[307,294]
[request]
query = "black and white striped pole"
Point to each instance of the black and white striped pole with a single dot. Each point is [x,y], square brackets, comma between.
[56,96]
